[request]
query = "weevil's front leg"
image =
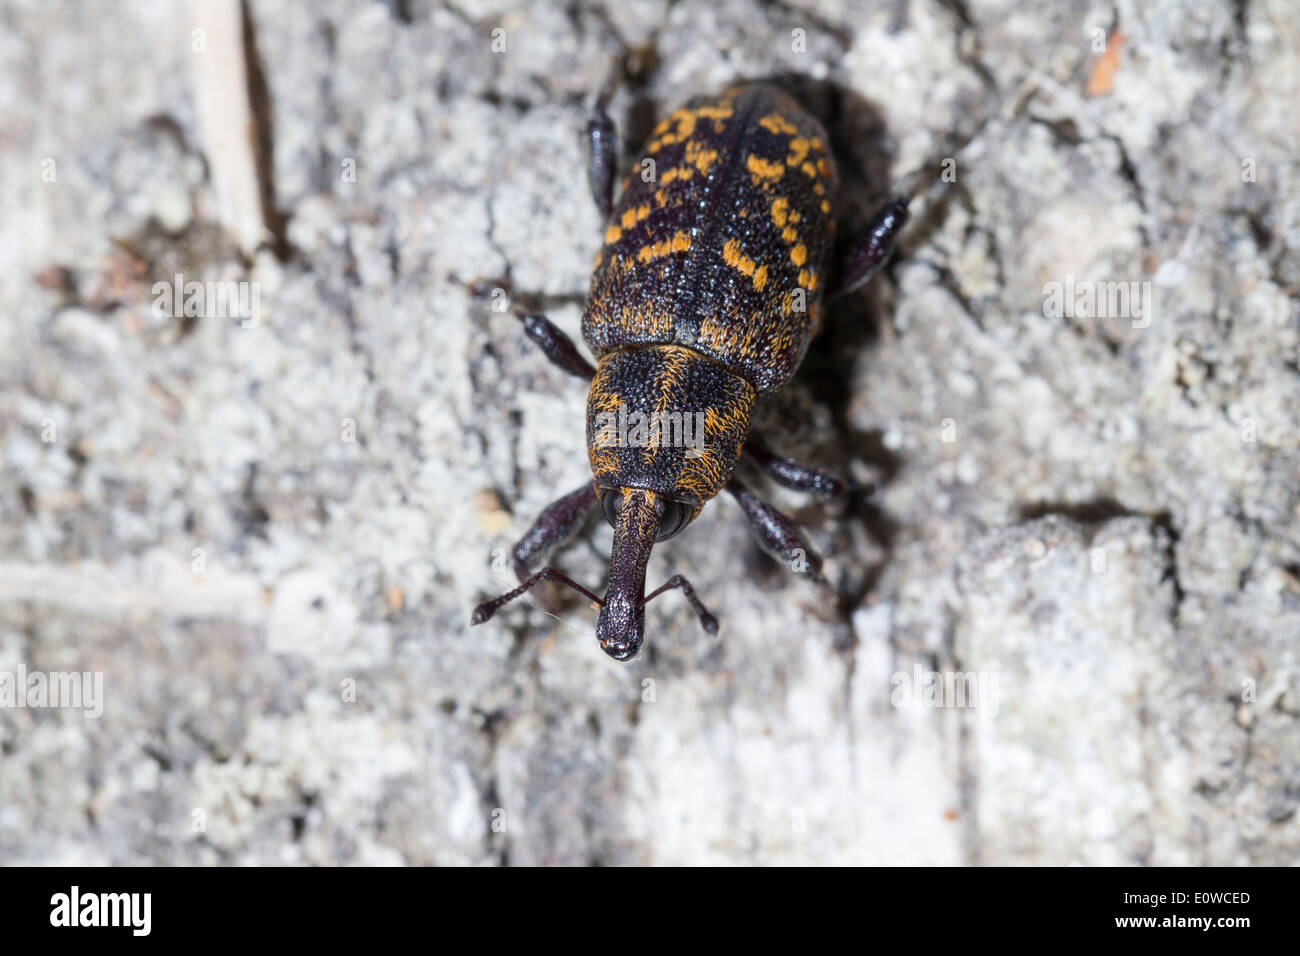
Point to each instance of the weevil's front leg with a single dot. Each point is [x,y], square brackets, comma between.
[707,620]
[602,148]
[795,474]
[553,527]
[559,348]
[874,247]
[778,534]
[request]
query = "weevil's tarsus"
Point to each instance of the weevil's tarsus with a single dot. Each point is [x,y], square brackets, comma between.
[602,146]
[871,251]
[795,474]
[553,528]
[485,610]
[778,534]
[557,346]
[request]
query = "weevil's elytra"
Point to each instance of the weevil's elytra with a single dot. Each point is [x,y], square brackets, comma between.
[681,264]
[708,286]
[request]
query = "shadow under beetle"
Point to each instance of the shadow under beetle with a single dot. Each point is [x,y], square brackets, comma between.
[705,294]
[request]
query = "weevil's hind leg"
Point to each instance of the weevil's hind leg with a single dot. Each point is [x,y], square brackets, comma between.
[874,247]
[602,146]
[795,474]
[485,610]
[557,346]
[553,527]
[708,621]
[778,534]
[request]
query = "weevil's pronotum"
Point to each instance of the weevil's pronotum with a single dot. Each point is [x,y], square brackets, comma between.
[710,283]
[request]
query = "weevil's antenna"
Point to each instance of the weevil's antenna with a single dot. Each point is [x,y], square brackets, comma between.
[707,620]
[485,610]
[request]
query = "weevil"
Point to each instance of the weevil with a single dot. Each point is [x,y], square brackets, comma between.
[711,280]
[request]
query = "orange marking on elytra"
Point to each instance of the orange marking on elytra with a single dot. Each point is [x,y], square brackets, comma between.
[733,257]
[680,242]
[799,254]
[763,168]
[720,112]
[700,156]
[685,124]
[798,151]
[776,123]
[780,206]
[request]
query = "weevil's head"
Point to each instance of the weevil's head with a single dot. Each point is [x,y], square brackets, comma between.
[665,427]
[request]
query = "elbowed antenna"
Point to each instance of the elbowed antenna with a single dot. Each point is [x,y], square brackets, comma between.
[485,610]
[620,629]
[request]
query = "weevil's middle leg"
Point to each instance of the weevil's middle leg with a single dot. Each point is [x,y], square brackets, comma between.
[557,346]
[874,247]
[795,474]
[602,147]
[707,620]
[553,527]
[778,534]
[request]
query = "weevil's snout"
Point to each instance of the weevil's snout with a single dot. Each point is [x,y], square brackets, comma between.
[620,634]
[620,629]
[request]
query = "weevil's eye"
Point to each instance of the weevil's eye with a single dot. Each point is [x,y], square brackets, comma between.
[673,515]
[611,499]
[674,519]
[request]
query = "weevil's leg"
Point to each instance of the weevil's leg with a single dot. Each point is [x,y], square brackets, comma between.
[602,147]
[485,610]
[874,247]
[559,348]
[553,527]
[707,620]
[778,534]
[795,474]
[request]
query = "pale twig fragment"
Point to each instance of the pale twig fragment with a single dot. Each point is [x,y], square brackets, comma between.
[226,119]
